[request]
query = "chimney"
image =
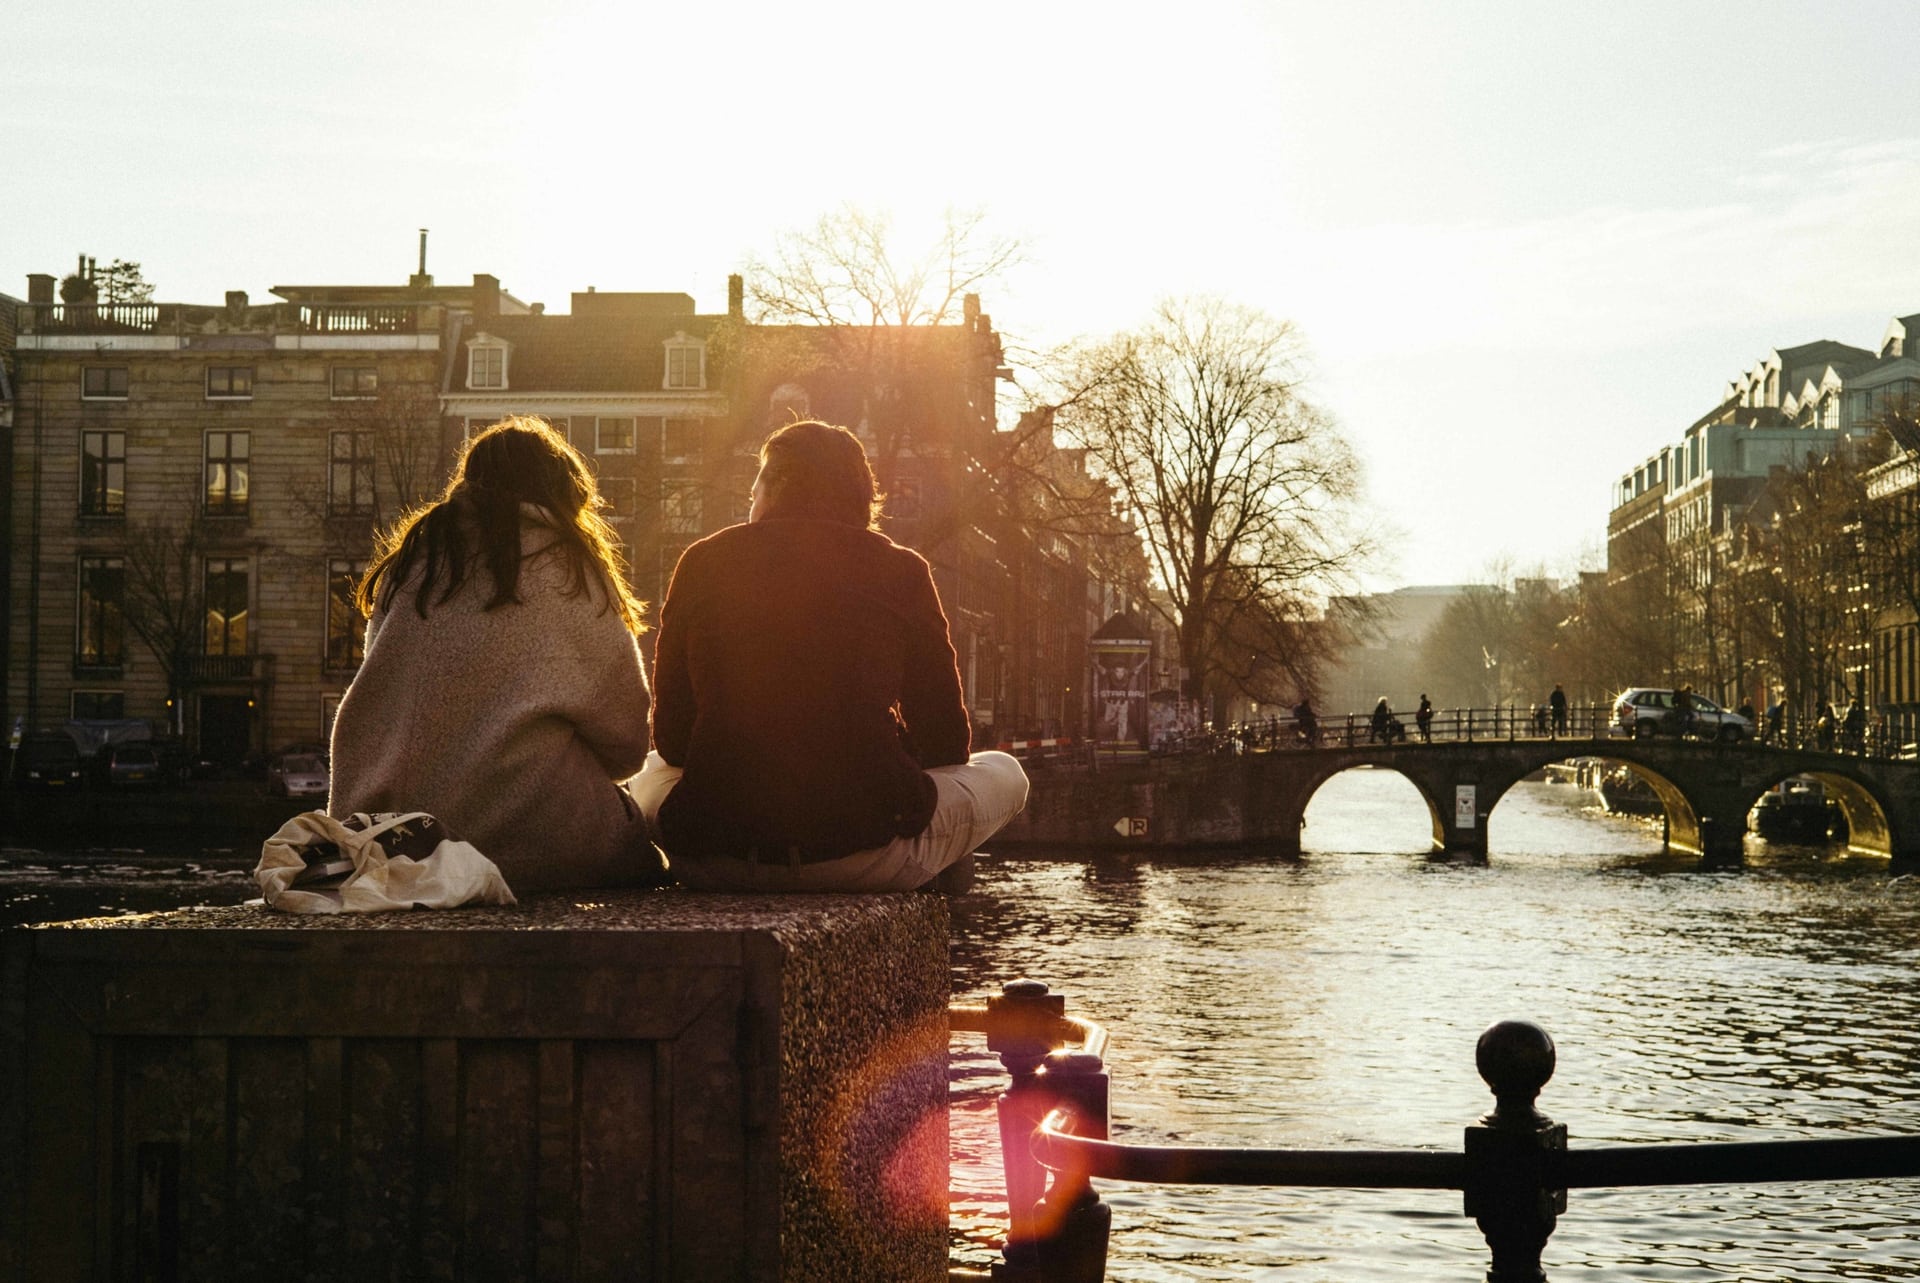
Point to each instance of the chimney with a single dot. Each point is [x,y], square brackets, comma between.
[971,306]
[39,287]
[538,309]
[736,296]
[486,294]
[420,280]
[236,302]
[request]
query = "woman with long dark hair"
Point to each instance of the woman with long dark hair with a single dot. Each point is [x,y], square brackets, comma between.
[808,722]
[502,689]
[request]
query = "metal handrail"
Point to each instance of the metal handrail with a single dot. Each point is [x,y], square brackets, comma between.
[1515,1168]
[1697,1163]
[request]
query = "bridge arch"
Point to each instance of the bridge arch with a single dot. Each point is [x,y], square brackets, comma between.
[1317,779]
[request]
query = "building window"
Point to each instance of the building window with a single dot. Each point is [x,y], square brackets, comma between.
[349,473]
[680,507]
[227,474]
[104,382]
[486,365]
[346,626]
[98,705]
[101,637]
[226,593]
[686,363]
[103,474]
[904,503]
[680,440]
[350,381]
[613,436]
[229,382]
[618,492]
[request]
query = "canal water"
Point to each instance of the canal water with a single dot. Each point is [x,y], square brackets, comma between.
[1334,1001]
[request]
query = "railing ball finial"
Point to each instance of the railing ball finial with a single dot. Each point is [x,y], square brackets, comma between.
[1516,1059]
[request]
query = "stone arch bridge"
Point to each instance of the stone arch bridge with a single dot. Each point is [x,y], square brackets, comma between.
[1260,798]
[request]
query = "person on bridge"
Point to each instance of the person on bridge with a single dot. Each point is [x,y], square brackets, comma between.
[1825,726]
[1423,718]
[1305,724]
[1557,704]
[1853,726]
[1683,710]
[1384,727]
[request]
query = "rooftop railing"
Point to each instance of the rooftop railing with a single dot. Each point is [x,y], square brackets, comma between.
[274,318]
[1514,1169]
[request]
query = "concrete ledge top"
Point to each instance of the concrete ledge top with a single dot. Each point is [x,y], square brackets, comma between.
[637,911]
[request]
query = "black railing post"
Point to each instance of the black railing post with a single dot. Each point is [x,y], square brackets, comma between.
[1021,1022]
[1506,1153]
[1074,1223]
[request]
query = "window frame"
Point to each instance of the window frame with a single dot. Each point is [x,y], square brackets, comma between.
[689,428]
[619,514]
[490,350]
[685,512]
[358,460]
[103,506]
[677,349]
[86,621]
[228,506]
[343,573]
[73,703]
[355,373]
[227,565]
[229,371]
[125,382]
[633,434]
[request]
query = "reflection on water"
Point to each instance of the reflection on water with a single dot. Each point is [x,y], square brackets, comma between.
[1335,1002]
[45,886]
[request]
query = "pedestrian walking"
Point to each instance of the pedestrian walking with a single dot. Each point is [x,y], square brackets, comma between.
[1776,721]
[1423,718]
[1557,705]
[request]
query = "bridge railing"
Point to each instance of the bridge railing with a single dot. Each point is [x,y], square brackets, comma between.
[1891,735]
[1515,1167]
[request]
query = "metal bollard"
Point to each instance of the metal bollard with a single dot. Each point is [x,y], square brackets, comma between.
[1507,1191]
[1022,1021]
[1075,1224]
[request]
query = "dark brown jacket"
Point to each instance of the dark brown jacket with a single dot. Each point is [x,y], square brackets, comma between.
[803,678]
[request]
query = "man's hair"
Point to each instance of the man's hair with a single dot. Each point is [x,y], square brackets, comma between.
[815,471]
[520,460]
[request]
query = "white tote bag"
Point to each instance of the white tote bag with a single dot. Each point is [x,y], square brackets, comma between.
[371,863]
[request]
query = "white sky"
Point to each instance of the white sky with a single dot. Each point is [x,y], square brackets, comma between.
[1528,242]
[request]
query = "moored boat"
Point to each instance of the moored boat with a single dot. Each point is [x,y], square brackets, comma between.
[1797,809]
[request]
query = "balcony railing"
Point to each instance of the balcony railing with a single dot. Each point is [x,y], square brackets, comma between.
[276,318]
[227,668]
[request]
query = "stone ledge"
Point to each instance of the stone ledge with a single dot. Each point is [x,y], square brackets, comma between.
[591,1085]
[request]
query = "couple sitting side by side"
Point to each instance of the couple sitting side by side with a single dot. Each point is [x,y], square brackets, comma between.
[808,724]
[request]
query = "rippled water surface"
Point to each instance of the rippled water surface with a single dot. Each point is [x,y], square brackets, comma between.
[1335,1001]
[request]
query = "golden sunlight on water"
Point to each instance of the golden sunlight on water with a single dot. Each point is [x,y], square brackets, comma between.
[1334,1002]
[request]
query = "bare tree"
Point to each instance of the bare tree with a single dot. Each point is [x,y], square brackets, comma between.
[864,311]
[847,269]
[165,602]
[1243,492]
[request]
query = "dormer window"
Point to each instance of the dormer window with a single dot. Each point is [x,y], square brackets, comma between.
[486,362]
[686,362]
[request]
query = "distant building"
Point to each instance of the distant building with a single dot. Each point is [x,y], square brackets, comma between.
[1385,657]
[1675,516]
[193,490]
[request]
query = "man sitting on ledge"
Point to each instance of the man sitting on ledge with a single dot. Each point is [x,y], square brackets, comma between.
[809,732]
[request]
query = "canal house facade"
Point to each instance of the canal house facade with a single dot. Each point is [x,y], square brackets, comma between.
[193,490]
[1696,528]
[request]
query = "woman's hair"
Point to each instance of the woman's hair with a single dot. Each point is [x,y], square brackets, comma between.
[519,460]
[815,471]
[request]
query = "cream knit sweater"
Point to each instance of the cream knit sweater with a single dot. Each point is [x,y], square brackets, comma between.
[510,725]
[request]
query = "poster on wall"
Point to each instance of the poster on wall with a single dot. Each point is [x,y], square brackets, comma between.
[1120,673]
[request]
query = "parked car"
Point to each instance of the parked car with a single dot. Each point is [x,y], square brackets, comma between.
[47,760]
[1643,712]
[297,775]
[133,764]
